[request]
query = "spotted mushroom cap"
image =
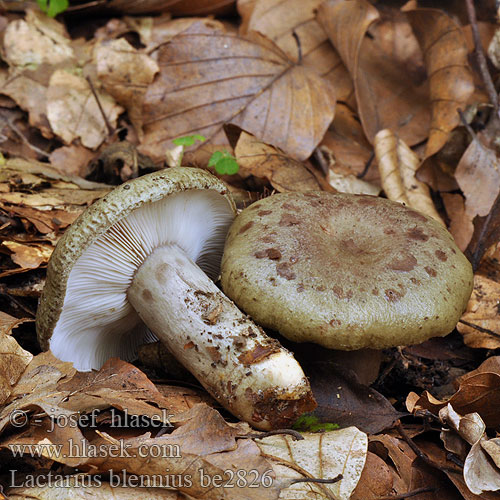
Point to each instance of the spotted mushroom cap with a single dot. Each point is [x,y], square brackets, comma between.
[84,315]
[345,271]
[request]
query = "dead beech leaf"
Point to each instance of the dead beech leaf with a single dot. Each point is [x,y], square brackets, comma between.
[461,227]
[482,311]
[345,141]
[440,456]
[208,78]
[8,323]
[450,78]
[478,393]
[29,256]
[375,481]
[480,473]
[278,20]
[193,472]
[77,487]
[321,455]
[117,384]
[386,94]
[175,7]
[351,184]
[36,388]
[344,400]
[125,73]
[73,112]
[14,357]
[71,160]
[29,89]
[398,166]
[38,39]
[257,158]
[478,176]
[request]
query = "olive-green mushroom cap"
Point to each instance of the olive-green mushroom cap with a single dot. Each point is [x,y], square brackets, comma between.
[345,271]
[84,315]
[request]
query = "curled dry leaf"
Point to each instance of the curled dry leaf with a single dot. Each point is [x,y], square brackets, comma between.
[481,472]
[478,176]
[208,78]
[14,357]
[29,256]
[386,95]
[478,392]
[125,73]
[450,79]
[192,471]
[73,112]
[481,320]
[345,141]
[323,455]
[351,184]
[284,173]
[461,227]
[398,166]
[279,20]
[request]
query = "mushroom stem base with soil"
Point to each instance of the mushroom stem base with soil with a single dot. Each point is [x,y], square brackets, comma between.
[249,373]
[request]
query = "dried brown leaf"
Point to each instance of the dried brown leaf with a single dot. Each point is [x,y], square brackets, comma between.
[346,143]
[398,166]
[375,481]
[461,227]
[79,487]
[478,176]
[480,473]
[261,160]
[321,455]
[175,7]
[479,393]
[450,78]
[125,73]
[279,20]
[8,323]
[344,400]
[482,311]
[29,256]
[14,357]
[386,95]
[36,40]
[73,112]
[208,78]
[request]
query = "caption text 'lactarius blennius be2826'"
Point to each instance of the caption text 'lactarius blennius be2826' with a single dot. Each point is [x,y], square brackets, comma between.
[133,263]
[345,271]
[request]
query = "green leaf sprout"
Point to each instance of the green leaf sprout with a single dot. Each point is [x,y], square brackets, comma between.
[224,163]
[53,7]
[189,140]
[311,423]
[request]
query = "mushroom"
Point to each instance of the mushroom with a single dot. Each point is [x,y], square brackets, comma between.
[345,271]
[134,263]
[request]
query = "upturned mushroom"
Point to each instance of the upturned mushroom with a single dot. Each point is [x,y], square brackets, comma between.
[345,271]
[134,263]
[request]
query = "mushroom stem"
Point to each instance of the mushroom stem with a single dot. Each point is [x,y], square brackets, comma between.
[249,373]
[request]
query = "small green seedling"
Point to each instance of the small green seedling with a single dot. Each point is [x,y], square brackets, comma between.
[311,423]
[53,7]
[223,162]
[189,140]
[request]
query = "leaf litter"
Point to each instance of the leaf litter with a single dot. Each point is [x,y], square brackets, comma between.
[353,96]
